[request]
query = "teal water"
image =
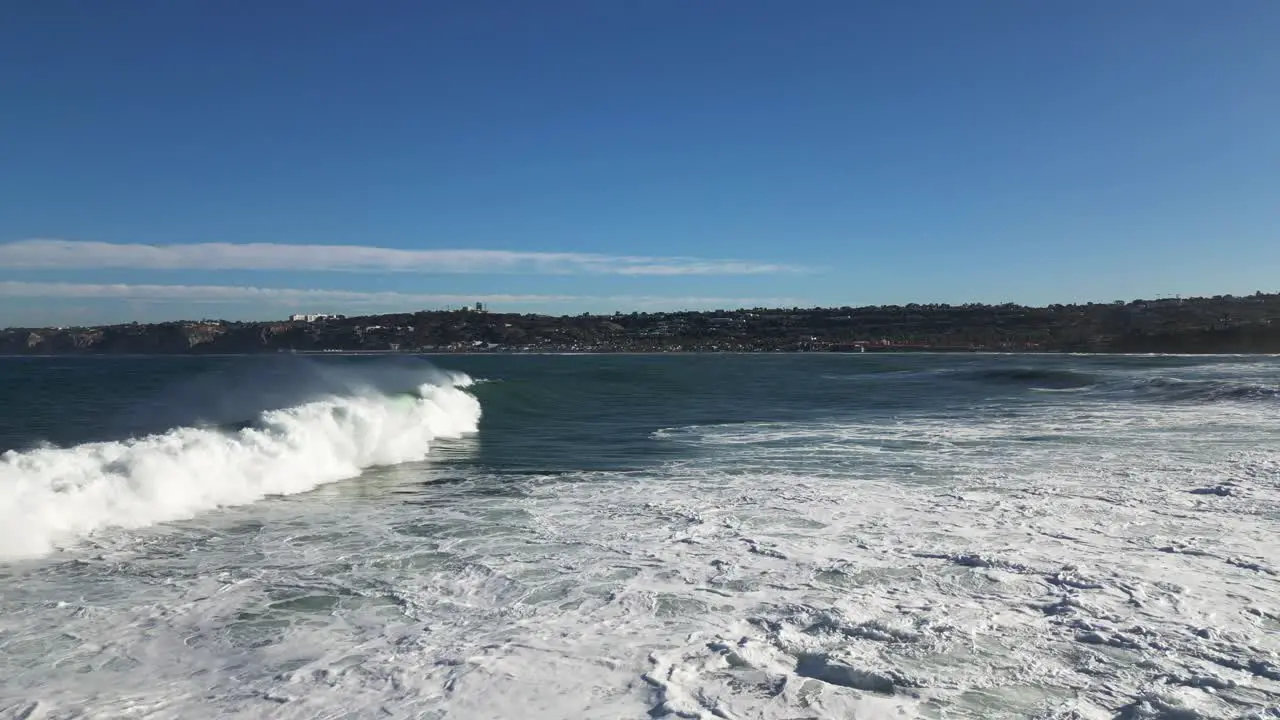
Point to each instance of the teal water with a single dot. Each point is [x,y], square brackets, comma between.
[639,536]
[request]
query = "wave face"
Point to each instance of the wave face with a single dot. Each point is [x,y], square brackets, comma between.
[52,496]
[1035,378]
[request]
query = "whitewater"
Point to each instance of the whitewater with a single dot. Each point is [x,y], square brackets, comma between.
[50,496]
[635,536]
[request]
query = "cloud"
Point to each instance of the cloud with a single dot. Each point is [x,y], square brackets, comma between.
[314,298]
[71,254]
[237,293]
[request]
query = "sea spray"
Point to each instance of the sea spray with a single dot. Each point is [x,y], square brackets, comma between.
[52,496]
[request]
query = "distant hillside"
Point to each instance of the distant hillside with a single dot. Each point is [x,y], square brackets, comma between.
[1222,324]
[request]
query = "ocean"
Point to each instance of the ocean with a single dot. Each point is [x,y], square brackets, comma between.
[646,536]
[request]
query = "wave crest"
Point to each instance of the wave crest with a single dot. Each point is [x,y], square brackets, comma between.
[53,496]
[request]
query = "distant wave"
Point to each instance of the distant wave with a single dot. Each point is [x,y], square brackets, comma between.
[1174,389]
[53,496]
[1036,378]
[1122,386]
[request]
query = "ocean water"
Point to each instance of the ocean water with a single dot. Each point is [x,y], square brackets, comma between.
[756,536]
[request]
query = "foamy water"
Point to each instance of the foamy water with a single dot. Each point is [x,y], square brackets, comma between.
[1015,553]
[52,496]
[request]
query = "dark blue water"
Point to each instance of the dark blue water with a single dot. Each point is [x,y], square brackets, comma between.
[580,406]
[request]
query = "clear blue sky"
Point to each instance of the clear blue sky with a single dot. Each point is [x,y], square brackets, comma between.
[668,153]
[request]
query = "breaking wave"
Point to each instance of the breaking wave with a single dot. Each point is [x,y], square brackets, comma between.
[53,496]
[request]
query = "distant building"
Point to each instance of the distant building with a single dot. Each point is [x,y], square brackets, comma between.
[479,307]
[310,318]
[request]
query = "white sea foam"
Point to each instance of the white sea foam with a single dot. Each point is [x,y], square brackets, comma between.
[52,496]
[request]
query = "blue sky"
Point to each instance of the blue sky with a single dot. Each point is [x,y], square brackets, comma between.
[246,160]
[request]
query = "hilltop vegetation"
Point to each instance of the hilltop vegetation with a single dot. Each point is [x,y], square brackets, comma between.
[1217,324]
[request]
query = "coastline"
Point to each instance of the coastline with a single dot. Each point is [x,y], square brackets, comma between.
[1197,326]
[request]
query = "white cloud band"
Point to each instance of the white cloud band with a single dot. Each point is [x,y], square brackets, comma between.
[71,254]
[313,298]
